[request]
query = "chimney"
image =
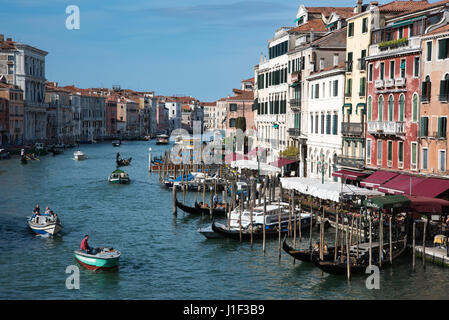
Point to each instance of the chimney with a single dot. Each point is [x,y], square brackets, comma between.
[261,58]
[358,6]
[2,37]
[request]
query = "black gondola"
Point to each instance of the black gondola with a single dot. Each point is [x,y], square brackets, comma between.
[23,160]
[123,162]
[359,265]
[305,254]
[246,234]
[200,211]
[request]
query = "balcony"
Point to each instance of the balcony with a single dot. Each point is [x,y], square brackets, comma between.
[294,132]
[386,128]
[389,83]
[351,129]
[399,82]
[295,103]
[387,47]
[350,162]
[378,84]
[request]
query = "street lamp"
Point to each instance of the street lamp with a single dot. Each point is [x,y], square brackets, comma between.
[322,167]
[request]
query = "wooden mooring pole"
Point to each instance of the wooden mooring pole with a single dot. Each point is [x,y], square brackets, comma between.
[175,208]
[424,246]
[264,215]
[413,246]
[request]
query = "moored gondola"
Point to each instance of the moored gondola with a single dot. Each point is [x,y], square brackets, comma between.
[306,254]
[217,211]
[359,265]
[234,233]
[200,211]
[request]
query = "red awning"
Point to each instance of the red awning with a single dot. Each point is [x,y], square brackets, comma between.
[431,187]
[427,205]
[280,162]
[234,157]
[348,174]
[377,178]
[401,184]
[253,153]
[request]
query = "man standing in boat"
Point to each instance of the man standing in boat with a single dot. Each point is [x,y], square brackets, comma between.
[85,245]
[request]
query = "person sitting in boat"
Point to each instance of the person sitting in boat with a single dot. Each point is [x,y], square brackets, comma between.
[47,210]
[325,250]
[85,244]
[215,200]
[316,246]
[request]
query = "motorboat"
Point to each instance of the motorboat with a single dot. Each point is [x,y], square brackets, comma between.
[119,177]
[79,155]
[44,224]
[98,258]
[162,139]
[116,143]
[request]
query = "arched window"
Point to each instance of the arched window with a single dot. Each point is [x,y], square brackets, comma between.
[370,106]
[380,110]
[390,108]
[401,108]
[415,108]
[444,89]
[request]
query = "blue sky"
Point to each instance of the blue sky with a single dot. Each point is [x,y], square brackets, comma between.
[201,48]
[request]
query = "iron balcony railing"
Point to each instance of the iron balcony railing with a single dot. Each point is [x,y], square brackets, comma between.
[351,162]
[295,103]
[443,97]
[294,132]
[351,129]
[386,127]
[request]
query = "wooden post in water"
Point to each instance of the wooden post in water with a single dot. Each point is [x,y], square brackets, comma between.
[342,242]
[149,160]
[424,246]
[251,207]
[264,215]
[211,202]
[299,221]
[175,208]
[290,214]
[381,237]
[295,217]
[204,193]
[311,225]
[348,262]
[413,246]
[240,220]
[336,233]
[322,235]
[279,226]
[391,241]
[370,240]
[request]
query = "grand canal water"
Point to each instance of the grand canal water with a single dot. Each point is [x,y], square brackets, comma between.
[163,257]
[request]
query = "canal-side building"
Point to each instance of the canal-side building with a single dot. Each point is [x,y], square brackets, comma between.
[209,115]
[239,109]
[111,116]
[394,73]
[4,121]
[24,65]
[174,114]
[60,120]
[434,98]
[16,113]
[221,114]
[325,113]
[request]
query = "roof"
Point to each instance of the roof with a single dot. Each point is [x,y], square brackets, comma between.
[249,80]
[403,6]
[442,29]
[349,174]
[327,11]
[310,25]
[339,66]
[245,95]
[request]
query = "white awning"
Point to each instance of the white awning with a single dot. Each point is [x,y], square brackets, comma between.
[253,165]
[326,191]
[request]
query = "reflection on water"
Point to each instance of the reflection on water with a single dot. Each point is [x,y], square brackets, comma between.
[163,256]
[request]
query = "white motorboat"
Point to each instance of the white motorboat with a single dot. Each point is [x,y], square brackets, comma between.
[44,224]
[79,155]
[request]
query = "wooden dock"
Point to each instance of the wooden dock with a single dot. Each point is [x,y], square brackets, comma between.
[437,255]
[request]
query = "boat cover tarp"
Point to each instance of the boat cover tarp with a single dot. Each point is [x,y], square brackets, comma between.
[327,191]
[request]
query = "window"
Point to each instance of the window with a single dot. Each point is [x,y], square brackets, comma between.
[389,152]
[365,25]
[379,152]
[390,107]
[401,108]
[311,123]
[349,87]
[443,49]
[328,124]
[401,153]
[362,87]
[391,69]
[362,60]
[442,127]
[316,124]
[424,126]
[370,108]
[380,109]
[335,88]
[322,124]
[416,67]
[414,155]
[403,66]
[335,124]
[368,151]
[232,107]
[426,89]
[415,108]
[349,63]
[382,71]
[232,123]
[441,160]
[351,29]
[444,89]
[424,163]
[401,33]
[317,91]
[429,51]
[370,72]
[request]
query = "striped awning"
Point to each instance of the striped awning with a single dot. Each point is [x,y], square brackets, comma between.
[406,22]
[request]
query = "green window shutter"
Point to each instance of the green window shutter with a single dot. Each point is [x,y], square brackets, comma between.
[439,127]
[335,124]
[362,86]
[335,88]
[415,108]
[370,108]
[401,151]
[442,87]
[328,124]
[442,49]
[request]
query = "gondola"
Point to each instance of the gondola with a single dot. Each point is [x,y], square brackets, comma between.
[246,234]
[24,160]
[198,210]
[123,162]
[305,254]
[218,211]
[359,265]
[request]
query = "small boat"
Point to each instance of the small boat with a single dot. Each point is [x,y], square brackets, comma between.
[162,139]
[306,254]
[198,210]
[79,155]
[101,259]
[116,143]
[219,210]
[209,233]
[58,149]
[4,154]
[44,224]
[359,265]
[119,177]
[123,162]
